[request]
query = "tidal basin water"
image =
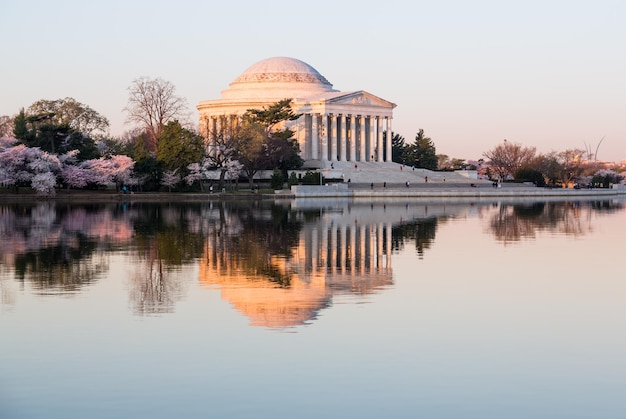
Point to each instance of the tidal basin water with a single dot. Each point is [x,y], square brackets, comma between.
[311,309]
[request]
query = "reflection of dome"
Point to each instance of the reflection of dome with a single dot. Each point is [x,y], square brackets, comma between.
[292,77]
[269,306]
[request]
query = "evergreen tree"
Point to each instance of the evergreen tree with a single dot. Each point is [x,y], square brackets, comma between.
[263,142]
[422,152]
[398,147]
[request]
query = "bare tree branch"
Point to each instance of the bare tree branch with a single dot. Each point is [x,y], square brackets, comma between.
[152,103]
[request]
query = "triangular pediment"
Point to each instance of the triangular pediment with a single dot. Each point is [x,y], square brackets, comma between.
[360,98]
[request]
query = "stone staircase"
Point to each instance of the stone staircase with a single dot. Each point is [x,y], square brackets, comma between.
[394,174]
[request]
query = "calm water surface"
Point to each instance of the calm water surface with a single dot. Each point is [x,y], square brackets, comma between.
[309,309]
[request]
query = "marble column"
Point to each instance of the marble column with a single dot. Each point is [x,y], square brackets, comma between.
[370,139]
[218,125]
[314,138]
[389,139]
[362,138]
[379,138]
[342,140]
[213,135]
[333,137]
[324,138]
[299,129]
[352,138]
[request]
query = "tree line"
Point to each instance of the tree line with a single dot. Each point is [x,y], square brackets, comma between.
[512,162]
[63,143]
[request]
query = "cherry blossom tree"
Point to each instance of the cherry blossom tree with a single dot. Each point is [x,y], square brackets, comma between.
[198,172]
[77,176]
[44,183]
[195,174]
[122,167]
[21,165]
[13,165]
[6,142]
[606,177]
[118,169]
[170,179]
[101,171]
[233,169]
[45,168]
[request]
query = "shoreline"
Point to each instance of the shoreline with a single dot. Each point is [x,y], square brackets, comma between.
[316,192]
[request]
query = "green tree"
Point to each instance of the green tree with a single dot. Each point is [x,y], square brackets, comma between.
[263,141]
[421,153]
[528,174]
[59,126]
[248,145]
[179,147]
[21,130]
[398,147]
[273,115]
[69,112]
[457,164]
[148,169]
[281,148]
[277,181]
[283,151]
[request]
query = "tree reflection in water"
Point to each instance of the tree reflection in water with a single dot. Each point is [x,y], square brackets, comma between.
[513,222]
[422,233]
[279,263]
[51,248]
[167,237]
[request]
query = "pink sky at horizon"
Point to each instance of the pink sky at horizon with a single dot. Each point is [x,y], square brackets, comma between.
[545,75]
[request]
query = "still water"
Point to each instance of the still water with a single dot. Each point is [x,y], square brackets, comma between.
[310,309]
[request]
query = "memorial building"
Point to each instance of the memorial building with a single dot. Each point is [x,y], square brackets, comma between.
[334,126]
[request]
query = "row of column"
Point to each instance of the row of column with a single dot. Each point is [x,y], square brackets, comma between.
[344,137]
[327,137]
[342,248]
[338,248]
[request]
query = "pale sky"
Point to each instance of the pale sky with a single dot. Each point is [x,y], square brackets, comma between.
[545,74]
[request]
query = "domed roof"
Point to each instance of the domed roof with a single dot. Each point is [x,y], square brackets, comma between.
[281,69]
[277,78]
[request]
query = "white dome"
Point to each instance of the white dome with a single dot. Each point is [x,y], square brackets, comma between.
[278,78]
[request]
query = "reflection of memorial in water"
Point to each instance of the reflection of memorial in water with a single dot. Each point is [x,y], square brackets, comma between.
[341,249]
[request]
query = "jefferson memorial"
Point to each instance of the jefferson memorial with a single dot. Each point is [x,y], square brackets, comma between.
[335,126]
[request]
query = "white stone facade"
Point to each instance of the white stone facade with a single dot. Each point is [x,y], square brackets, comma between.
[334,127]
